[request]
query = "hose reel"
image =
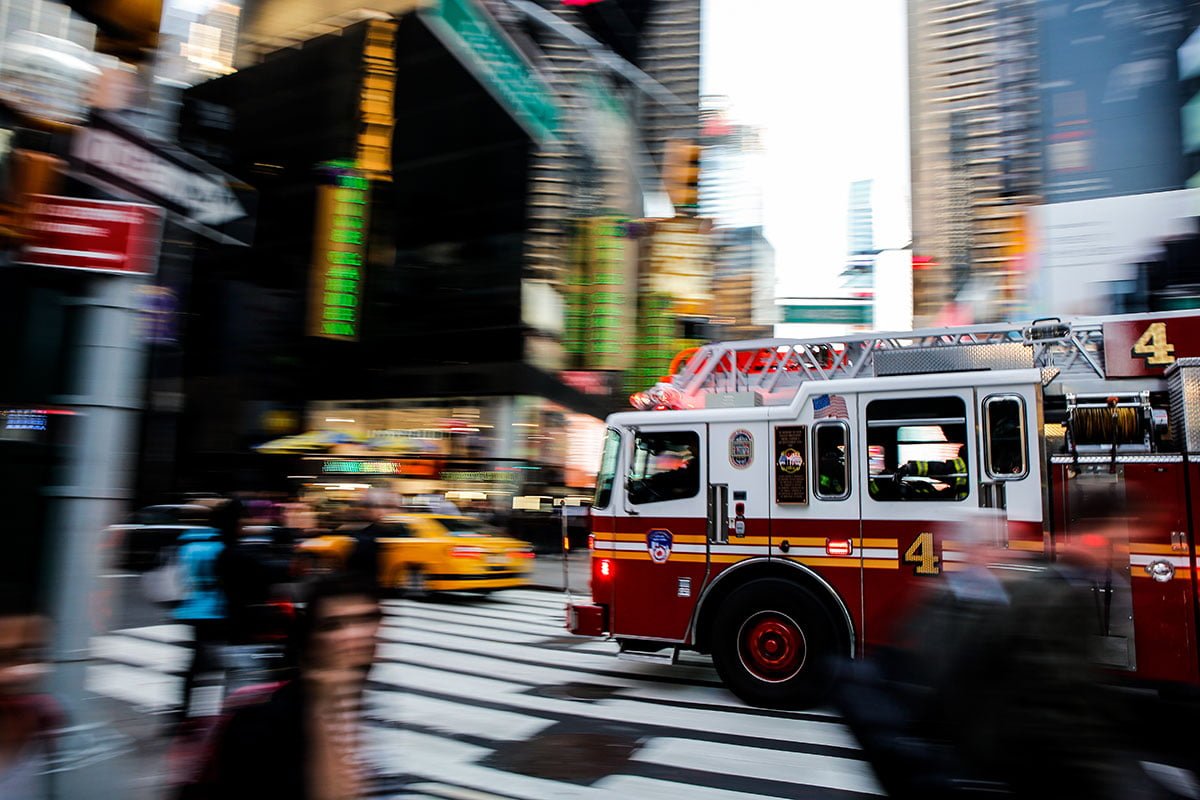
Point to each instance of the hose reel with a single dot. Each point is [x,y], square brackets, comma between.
[1110,424]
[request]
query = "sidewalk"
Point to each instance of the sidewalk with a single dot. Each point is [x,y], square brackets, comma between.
[548,571]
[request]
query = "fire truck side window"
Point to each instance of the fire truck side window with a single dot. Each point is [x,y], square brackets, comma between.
[1004,421]
[665,466]
[917,449]
[829,454]
[608,469]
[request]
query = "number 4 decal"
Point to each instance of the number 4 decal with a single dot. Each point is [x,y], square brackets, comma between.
[920,553]
[1154,347]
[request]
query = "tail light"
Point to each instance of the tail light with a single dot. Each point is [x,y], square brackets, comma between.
[467,552]
[523,554]
[604,567]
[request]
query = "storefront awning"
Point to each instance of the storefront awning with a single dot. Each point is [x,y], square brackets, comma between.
[308,442]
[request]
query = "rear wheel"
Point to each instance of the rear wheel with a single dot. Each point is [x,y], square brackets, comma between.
[314,564]
[412,581]
[774,643]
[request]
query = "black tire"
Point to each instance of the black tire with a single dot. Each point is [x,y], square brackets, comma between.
[775,645]
[316,565]
[412,582]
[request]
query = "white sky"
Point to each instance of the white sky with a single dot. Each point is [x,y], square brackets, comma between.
[828,83]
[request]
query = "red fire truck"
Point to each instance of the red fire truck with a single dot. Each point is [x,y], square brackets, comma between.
[775,502]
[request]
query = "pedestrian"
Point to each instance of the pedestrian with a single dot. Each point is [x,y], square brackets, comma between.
[363,561]
[29,719]
[246,575]
[203,606]
[304,742]
[995,685]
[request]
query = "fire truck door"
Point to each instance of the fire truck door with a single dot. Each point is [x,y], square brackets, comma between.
[1010,465]
[661,524]
[739,474]
[919,467]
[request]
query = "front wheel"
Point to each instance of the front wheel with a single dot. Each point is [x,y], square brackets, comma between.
[774,643]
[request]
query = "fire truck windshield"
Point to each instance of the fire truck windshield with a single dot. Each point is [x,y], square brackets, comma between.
[608,469]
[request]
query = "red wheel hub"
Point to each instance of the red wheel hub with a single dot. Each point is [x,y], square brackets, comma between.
[772,646]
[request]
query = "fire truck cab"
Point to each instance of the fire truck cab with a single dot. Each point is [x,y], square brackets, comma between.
[781,502]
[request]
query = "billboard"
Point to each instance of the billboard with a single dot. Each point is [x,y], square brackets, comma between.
[1085,252]
[1110,106]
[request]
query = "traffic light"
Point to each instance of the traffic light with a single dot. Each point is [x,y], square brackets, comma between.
[682,174]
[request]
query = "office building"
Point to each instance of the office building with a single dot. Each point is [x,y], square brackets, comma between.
[858,277]
[973,112]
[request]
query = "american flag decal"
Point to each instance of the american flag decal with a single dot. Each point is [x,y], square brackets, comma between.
[830,406]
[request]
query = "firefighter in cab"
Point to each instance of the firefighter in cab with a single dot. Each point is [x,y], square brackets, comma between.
[933,478]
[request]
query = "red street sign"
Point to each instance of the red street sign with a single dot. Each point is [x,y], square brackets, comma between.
[1148,346]
[96,235]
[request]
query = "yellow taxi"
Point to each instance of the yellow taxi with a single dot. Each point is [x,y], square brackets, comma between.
[431,552]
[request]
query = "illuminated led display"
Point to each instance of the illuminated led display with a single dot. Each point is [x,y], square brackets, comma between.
[360,467]
[339,248]
[606,339]
[376,100]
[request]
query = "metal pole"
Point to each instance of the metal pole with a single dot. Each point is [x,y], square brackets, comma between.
[97,481]
[566,548]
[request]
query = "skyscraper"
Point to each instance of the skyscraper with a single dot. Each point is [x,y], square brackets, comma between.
[974,150]
[731,195]
[858,276]
[734,168]
[670,54]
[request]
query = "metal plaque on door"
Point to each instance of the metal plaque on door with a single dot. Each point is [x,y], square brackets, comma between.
[791,464]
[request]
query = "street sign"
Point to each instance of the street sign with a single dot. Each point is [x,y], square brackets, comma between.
[485,49]
[95,235]
[130,165]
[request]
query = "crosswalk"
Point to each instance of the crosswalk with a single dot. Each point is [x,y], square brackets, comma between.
[491,699]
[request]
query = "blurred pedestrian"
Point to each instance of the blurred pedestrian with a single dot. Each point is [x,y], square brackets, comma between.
[363,562]
[242,577]
[28,718]
[203,606]
[995,683]
[305,742]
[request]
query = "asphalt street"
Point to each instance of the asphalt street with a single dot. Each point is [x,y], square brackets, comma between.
[489,698]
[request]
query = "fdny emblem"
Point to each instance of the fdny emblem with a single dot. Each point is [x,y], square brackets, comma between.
[658,542]
[741,448]
[791,461]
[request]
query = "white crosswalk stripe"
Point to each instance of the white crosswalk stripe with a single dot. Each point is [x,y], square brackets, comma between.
[475,699]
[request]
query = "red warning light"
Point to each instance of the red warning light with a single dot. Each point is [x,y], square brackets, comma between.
[838,547]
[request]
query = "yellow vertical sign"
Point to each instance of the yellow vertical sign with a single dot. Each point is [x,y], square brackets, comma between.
[339,253]
[377,100]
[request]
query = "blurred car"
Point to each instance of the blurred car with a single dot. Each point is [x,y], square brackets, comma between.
[431,552]
[152,533]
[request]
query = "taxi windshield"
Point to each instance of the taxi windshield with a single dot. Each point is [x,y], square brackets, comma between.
[465,527]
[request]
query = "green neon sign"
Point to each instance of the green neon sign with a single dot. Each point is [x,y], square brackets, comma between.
[343,200]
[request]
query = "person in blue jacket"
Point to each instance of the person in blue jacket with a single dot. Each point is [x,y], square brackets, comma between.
[203,605]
